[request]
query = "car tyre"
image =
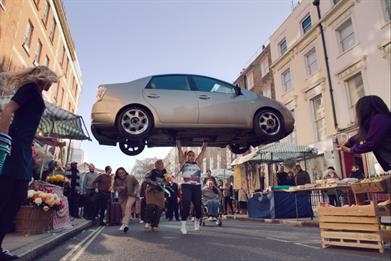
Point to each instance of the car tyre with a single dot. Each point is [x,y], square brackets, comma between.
[131,148]
[268,124]
[135,122]
[238,149]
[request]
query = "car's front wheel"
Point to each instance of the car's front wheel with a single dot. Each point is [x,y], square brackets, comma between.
[268,124]
[131,148]
[238,149]
[135,122]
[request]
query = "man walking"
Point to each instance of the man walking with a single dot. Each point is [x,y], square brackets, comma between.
[302,177]
[103,184]
[89,192]
[74,195]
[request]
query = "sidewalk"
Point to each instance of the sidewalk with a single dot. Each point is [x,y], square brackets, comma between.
[29,247]
[300,222]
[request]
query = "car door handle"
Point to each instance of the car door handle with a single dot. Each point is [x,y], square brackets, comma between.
[153,96]
[204,97]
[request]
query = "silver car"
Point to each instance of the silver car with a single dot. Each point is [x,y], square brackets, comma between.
[156,111]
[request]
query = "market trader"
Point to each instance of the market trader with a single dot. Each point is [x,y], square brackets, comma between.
[27,105]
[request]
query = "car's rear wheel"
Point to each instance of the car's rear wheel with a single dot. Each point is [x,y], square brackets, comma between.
[268,124]
[135,122]
[131,148]
[238,149]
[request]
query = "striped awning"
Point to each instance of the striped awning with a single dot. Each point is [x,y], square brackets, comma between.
[278,152]
[57,122]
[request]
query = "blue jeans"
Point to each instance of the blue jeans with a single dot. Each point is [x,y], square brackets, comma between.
[213,207]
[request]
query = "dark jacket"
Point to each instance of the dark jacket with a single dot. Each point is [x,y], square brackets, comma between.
[173,188]
[302,178]
[282,178]
[357,174]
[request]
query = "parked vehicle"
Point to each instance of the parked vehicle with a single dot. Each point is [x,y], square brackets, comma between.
[155,111]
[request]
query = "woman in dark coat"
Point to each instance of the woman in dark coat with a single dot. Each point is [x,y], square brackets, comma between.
[27,106]
[374,135]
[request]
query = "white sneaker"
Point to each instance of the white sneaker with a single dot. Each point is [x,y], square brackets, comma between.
[122,227]
[183,228]
[141,222]
[192,219]
[196,225]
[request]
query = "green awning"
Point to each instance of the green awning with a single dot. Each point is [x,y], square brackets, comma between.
[278,152]
[57,122]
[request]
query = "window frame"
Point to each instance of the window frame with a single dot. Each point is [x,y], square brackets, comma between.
[280,44]
[308,65]
[285,72]
[387,12]
[37,57]
[148,86]
[47,61]
[232,87]
[265,60]
[250,73]
[66,68]
[321,120]
[53,29]
[340,40]
[27,40]
[46,14]
[36,3]
[2,6]
[306,29]
[351,105]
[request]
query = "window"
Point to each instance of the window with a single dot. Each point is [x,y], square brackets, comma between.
[2,4]
[355,92]
[311,61]
[264,67]
[66,67]
[28,34]
[38,51]
[53,31]
[61,97]
[292,136]
[346,35]
[336,1]
[36,2]
[204,84]
[174,82]
[45,16]
[63,56]
[250,80]
[283,46]
[306,24]
[47,61]
[286,80]
[319,117]
[56,93]
[387,6]
[76,90]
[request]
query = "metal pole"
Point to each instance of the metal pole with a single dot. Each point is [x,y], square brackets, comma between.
[69,151]
[316,3]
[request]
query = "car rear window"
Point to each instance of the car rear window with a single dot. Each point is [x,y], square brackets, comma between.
[204,84]
[169,83]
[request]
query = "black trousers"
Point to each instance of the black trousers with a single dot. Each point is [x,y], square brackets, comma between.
[90,209]
[172,208]
[191,193]
[12,194]
[143,207]
[153,214]
[228,202]
[102,198]
[74,203]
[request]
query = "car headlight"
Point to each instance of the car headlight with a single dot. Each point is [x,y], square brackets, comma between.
[101,92]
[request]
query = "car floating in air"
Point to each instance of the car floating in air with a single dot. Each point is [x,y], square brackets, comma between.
[155,111]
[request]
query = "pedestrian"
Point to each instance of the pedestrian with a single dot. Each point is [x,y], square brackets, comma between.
[27,106]
[89,192]
[332,194]
[374,134]
[143,203]
[291,178]
[210,198]
[74,196]
[103,185]
[154,196]
[127,186]
[357,173]
[282,176]
[209,177]
[172,199]
[302,177]
[191,186]
[227,194]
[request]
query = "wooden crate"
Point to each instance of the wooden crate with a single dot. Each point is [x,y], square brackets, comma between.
[350,227]
[381,186]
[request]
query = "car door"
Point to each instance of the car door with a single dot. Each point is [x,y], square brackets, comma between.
[218,103]
[172,99]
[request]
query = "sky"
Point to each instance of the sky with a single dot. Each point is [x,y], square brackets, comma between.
[123,40]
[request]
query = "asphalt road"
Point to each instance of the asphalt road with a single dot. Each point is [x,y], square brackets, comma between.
[235,240]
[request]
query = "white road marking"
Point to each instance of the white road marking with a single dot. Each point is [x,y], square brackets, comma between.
[78,254]
[76,247]
[280,240]
[304,245]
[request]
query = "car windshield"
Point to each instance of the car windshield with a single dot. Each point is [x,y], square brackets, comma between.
[210,85]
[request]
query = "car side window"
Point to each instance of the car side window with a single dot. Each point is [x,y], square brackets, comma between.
[204,84]
[174,82]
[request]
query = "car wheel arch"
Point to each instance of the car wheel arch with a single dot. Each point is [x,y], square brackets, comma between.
[135,105]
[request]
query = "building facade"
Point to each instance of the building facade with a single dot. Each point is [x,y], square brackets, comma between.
[36,32]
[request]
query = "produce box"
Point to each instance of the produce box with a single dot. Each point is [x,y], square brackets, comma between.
[373,185]
[350,226]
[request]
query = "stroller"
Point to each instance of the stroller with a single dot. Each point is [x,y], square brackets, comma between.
[206,218]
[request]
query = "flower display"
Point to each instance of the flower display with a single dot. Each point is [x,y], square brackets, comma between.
[57,179]
[44,200]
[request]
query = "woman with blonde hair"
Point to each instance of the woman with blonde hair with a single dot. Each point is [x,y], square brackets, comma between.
[27,106]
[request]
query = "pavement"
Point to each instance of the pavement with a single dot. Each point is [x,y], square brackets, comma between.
[300,222]
[235,240]
[28,247]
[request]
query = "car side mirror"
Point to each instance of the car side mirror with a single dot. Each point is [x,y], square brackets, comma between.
[238,90]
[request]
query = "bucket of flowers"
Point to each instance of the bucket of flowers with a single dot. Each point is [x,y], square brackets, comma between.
[58,180]
[35,215]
